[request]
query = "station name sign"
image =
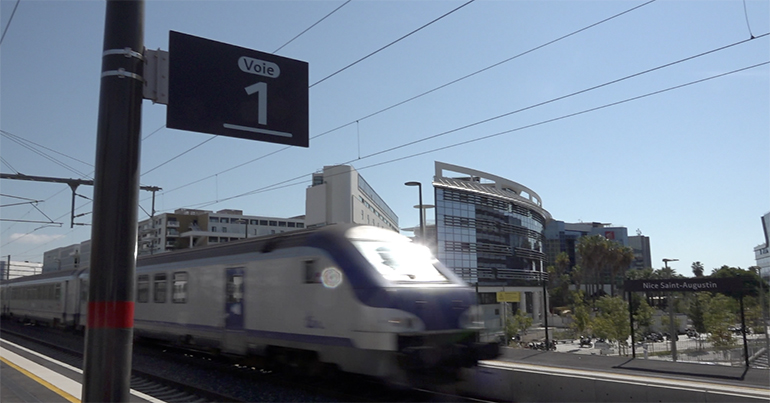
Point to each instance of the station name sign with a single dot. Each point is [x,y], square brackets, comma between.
[685,284]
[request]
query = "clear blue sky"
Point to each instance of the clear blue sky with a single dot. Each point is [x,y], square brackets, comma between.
[688,167]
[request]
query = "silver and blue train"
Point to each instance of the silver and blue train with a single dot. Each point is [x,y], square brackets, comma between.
[362,299]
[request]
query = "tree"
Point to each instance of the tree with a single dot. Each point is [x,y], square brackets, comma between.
[697,269]
[593,255]
[515,324]
[718,317]
[611,322]
[697,310]
[619,257]
[750,279]
[642,312]
[577,276]
[581,314]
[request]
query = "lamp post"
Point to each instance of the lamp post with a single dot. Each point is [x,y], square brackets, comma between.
[422,223]
[672,327]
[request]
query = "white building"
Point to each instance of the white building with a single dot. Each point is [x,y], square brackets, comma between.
[340,194]
[762,251]
[14,269]
[185,228]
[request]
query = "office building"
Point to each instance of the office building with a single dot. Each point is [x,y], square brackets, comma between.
[490,231]
[339,194]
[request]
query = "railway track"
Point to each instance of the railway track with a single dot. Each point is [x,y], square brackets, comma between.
[63,350]
[174,375]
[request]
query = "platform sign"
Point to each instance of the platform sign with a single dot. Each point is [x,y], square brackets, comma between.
[228,90]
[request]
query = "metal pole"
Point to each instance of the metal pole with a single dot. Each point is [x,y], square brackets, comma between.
[631,318]
[109,331]
[422,213]
[764,311]
[545,312]
[672,326]
[743,331]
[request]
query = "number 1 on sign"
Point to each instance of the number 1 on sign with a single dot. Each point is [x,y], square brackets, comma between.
[261,90]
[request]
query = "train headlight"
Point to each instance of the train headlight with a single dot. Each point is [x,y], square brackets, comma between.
[403,321]
[471,318]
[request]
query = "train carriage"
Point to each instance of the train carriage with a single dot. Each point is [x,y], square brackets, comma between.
[360,298]
[49,298]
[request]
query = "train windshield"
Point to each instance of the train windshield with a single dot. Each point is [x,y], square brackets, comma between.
[401,261]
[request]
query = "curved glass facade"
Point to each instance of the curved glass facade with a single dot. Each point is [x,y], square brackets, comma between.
[489,239]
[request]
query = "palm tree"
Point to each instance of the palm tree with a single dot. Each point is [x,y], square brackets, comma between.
[593,252]
[697,269]
[620,258]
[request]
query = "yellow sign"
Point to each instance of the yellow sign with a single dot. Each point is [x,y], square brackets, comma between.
[508,296]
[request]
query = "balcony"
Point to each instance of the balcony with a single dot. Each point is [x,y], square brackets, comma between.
[172,224]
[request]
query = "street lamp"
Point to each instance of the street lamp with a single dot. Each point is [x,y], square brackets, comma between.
[672,328]
[422,223]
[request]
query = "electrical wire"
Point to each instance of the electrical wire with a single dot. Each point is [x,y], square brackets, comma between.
[529,107]
[310,27]
[746,13]
[276,186]
[5,31]
[182,153]
[387,46]
[15,136]
[421,94]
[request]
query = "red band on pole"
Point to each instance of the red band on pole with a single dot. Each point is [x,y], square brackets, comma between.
[111,315]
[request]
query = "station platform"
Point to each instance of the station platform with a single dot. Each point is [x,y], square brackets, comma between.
[27,376]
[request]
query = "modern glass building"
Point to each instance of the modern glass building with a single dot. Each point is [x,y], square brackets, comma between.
[490,231]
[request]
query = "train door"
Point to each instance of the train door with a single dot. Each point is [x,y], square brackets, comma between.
[235,336]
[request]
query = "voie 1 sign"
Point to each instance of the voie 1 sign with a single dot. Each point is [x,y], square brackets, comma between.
[228,90]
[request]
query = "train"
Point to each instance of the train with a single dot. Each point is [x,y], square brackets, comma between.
[355,298]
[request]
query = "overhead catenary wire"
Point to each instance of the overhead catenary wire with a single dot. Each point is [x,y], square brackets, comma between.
[389,45]
[283,184]
[615,81]
[455,81]
[8,24]
[310,27]
[24,143]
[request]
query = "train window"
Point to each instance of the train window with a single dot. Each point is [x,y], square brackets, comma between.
[312,272]
[401,261]
[234,287]
[57,291]
[143,288]
[160,288]
[179,291]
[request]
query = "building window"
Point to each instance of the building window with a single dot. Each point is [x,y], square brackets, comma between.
[224,229]
[273,223]
[253,222]
[262,222]
[300,225]
[224,220]
[213,239]
[213,219]
[179,291]
[281,223]
[213,229]
[160,288]
[143,288]
[291,224]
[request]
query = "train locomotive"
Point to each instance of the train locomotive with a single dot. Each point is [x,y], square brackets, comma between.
[361,299]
